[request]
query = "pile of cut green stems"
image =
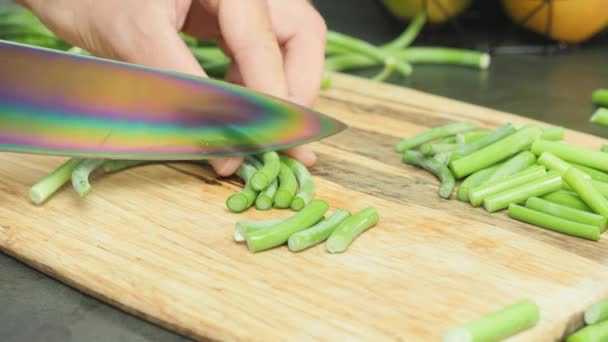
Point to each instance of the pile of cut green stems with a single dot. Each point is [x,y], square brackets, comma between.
[527,170]
[270,180]
[343,52]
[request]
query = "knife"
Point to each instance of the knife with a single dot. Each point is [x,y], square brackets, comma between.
[57,103]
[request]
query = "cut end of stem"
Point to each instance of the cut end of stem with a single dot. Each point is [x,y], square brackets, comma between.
[336,244]
[238,234]
[237,203]
[458,335]
[259,181]
[263,203]
[282,199]
[592,315]
[484,61]
[295,243]
[297,204]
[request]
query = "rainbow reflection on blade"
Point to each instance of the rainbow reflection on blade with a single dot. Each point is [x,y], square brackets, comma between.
[61,104]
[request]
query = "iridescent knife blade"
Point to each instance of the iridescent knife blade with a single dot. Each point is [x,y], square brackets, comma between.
[56,103]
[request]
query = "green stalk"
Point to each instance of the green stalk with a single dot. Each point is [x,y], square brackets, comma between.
[48,185]
[440,55]
[435,167]
[549,183]
[434,133]
[583,186]
[515,164]
[366,49]
[574,154]
[593,173]
[497,325]
[467,137]
[554,223]
[568,199]
[429,149]
[242,228]
[495,152]
[288,186]
[408,36]
[473,181]
[478,194]
[597,312]
[553,163]
[317,233]
[553,134]
[600,117]
[80,176]
[570,214]
[492,137]
[279,234]
[305,181]
[350,228]
[600,97]
[268,172]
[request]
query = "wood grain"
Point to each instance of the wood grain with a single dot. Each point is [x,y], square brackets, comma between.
[156,241]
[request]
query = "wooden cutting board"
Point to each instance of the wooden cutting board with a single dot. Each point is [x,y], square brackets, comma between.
[156,241]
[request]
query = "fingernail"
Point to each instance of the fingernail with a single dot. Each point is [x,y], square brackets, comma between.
[229,166]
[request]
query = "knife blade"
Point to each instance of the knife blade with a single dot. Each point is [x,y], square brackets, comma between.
[56,103]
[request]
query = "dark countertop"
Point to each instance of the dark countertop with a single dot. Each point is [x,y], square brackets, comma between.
[554,88]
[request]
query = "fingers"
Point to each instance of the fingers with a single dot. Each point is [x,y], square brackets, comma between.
[226,166]
[303,154]
[304,59]
[247,30]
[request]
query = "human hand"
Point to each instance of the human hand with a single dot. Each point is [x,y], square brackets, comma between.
[277,46]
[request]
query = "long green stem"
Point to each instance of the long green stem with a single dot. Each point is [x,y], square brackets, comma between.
[277,235]
[80,176]
[544,185]
[515,164]
[288,186]
[242,228]
[478,194]
[406,38]
[583,186]
[566,213]
[497,325]
[48,185]
[350,228]
[435,167]
[575,154]
[307,186]
[434,133]
[495,152]
[568,199]
[317,233]
[366,49]
[600,117]
[554,223]
[467,137]
[593,173]
[492,137]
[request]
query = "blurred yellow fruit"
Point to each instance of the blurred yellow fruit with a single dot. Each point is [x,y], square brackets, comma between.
[573,21]
[407,9]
